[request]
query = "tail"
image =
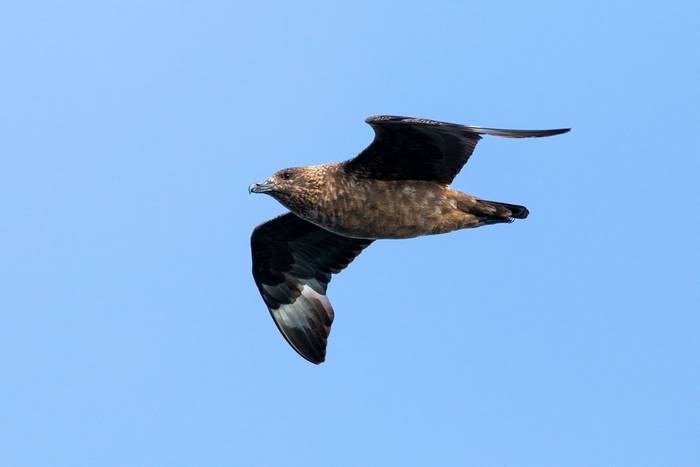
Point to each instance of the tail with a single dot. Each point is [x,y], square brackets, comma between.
[503,210]
[486,212]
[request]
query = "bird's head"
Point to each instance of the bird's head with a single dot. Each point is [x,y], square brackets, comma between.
[294,187]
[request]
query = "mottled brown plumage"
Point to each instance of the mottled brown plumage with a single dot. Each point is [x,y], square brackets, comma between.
[398,187]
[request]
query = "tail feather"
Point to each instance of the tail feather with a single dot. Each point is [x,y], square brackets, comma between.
[506,210]
[485,212]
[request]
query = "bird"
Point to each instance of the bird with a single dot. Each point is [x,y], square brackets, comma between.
[396,188]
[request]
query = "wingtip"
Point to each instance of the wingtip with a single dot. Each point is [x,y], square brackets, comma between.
[555,132]
[315,356]
[507,133]
[481,130]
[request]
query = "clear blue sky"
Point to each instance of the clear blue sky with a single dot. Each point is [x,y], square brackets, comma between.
[133,335]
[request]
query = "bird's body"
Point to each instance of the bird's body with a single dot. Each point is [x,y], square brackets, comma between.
[359,207]
[382,209]
[398,187]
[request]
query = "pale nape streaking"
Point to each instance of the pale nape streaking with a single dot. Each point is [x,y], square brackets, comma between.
[398,187]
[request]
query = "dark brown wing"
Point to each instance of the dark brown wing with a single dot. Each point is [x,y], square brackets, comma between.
[292,265]
[406,148]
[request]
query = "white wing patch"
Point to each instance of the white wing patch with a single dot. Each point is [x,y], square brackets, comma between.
[300,313]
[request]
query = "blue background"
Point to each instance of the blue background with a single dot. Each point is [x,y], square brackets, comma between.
[133,335]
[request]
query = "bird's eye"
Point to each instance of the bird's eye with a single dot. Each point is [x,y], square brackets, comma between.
[287,175]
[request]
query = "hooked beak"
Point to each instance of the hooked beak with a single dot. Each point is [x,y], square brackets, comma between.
[263,187]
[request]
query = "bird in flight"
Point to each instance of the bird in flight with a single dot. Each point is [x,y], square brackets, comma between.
[398,187]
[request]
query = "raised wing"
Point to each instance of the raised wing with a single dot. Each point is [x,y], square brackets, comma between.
[292,265]
[406,148]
